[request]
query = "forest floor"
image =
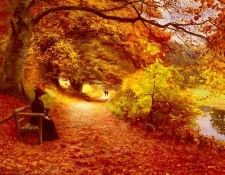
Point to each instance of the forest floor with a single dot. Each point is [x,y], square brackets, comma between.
[93,141]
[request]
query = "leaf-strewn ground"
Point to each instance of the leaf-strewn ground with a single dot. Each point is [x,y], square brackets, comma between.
[93,141]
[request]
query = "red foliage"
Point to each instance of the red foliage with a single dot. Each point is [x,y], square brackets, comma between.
[3,15]
[93,141]
[4,29]
[7,104]
[4,19]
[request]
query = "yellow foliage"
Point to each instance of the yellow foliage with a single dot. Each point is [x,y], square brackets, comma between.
[152,49]
[67,48]
[155,83]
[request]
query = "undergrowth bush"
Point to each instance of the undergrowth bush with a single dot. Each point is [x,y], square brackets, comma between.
[154,97]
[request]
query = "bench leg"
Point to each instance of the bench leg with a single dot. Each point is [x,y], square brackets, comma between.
[40,138]
[19,135]
[40,130]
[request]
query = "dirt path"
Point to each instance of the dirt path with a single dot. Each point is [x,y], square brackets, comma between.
[93,141]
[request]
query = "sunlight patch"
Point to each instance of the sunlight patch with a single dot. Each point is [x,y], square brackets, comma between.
[83,106]
[201,93]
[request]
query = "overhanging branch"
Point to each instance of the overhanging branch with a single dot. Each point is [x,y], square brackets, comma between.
[102,14]
[175,25]
[85,9]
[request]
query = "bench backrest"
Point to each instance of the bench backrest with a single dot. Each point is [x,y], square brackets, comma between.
[22,117]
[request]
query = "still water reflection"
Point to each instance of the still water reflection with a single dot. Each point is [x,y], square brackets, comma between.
[212,123]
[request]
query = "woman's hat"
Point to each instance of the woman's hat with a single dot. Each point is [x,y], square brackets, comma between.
[39,92]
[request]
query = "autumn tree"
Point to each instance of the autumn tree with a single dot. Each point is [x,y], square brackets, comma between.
[24,15]
[88,52]
[154,96]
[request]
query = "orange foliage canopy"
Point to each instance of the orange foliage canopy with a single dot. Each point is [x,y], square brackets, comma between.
[156,20]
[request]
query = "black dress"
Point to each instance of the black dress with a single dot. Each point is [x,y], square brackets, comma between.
[48,127]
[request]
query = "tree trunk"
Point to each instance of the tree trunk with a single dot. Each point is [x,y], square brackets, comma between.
[150,118]
[50,72]
[12,75]
[13,67]
[76,85]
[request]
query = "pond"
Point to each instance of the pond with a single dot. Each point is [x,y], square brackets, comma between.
[212,123]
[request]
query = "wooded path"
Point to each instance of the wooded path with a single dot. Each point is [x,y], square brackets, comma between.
[93,141]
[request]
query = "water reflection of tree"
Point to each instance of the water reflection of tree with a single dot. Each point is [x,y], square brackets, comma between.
[218,120]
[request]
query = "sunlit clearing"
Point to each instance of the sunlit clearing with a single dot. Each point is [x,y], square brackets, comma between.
[104,97]
[72,103]
[60,97]
[87,88]
[92,91]
[64,83]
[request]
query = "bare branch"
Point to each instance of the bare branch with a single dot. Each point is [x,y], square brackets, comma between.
[192,33]
[137,11]
[175,25]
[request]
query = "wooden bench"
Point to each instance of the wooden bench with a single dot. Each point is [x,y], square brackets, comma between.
[22,117]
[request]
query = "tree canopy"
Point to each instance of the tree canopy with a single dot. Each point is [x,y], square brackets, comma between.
[131,27]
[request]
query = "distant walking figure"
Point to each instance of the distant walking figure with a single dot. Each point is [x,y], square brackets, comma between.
[37,106]
[106,92]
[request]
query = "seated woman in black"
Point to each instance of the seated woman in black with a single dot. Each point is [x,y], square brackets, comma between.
[48,127]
